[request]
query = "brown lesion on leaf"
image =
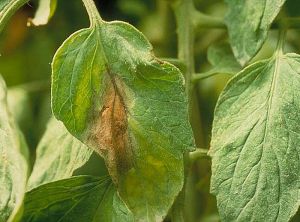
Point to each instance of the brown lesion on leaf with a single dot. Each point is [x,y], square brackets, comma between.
[110,134]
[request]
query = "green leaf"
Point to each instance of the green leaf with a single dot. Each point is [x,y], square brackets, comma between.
[255,144]
[59,154]
[44,12]
[77,199]
[7,9]
[18,97]
[13,163]
[221,57]
[115,96]
[248,23]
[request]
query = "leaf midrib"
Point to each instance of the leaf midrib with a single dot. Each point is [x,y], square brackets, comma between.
[266,131]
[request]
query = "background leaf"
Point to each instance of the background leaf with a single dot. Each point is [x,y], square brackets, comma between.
[59,154]
[7,9]
[221,57]
[13,163]
[44,12]
[223,61]
[114,95]
[256,142]
[18,97]
[248,23]
[82,198]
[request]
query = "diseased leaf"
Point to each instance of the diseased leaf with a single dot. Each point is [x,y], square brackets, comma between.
[248,23]
[115,96]
[59,154]
[13,163]
[256,142]
[7,9]
[76,199]
[223,61]
[44,12]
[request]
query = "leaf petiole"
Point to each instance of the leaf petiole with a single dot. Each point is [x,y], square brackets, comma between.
[198,154]
[200,76]
[92,11]
[201,20]
[281,40]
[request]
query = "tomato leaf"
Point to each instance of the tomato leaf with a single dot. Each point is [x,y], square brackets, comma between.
[59,154]
[256,142]
[248,23]
[13,163]
[7,9]
[18,97]
[44,12]
[115,96]
[76,199]
[221,57]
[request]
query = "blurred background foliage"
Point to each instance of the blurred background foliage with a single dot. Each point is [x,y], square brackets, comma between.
[26,54]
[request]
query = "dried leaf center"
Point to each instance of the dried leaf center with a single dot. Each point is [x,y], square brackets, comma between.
[111,132]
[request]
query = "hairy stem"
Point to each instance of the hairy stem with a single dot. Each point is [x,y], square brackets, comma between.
[201,20]
[197,154]
[92,11]
[200,76]
[185,35]
[287,22]
[281,40]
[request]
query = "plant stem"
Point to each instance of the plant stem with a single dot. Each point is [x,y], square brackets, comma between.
[281,40]
[200,76]
[185,35]
[92,11]
[197,154]
[287,22]
[201,20]
[177,210]
[185,39]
